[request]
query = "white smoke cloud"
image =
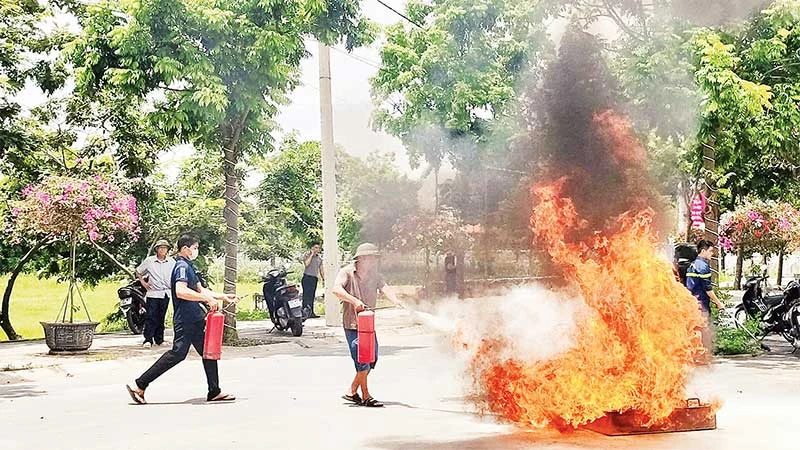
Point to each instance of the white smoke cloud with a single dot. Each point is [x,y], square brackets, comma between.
[538,323]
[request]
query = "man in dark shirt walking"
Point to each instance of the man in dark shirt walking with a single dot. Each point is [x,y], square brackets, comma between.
[189,319]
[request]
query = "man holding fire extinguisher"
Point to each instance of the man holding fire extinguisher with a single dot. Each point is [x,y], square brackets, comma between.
[188,295]
[357,286]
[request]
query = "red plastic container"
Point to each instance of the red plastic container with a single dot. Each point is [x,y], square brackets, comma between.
[215,324]
[366,337]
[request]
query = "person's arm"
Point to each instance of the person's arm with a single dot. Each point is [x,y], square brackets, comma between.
[309,257]
[214,300]
[140,274]
[391,295]
[709,287]
[341,293]
[716,300]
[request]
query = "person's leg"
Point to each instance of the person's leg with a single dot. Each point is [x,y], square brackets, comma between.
[313,296]
[150,322]
[163,305]
[309,284]
[364,389]
[209,365]
[168,360]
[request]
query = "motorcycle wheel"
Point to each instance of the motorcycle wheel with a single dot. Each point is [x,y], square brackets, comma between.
[134,323]
[740,316]
[297,329]
[788,336]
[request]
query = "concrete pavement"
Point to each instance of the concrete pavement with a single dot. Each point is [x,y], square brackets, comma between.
[289,398]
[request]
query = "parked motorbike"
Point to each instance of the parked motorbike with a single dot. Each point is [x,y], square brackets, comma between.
[132,303]
[284,303]
[778,313]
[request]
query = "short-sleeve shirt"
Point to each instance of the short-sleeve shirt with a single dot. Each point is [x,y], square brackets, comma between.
[364,288]
[312,269]
[698,280]
[186,311]
[159,273]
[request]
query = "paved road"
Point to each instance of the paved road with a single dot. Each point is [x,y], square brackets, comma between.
[289,399]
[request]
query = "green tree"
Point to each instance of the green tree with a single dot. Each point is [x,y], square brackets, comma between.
[291,194]
[212,72]
[380,195]
[751,116]
[448,88]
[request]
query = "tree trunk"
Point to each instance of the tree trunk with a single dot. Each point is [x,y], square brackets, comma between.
[231,215]
[780,268]
[737,276]
[712,218]
[5,314]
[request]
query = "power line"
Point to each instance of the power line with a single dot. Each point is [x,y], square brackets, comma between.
[358,58]
[399,14]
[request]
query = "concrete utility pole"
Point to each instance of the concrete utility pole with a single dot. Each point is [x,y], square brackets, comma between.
[330,230]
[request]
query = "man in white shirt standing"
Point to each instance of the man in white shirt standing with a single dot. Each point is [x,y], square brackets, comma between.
[155,273]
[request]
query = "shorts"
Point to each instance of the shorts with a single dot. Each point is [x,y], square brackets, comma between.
[352,343]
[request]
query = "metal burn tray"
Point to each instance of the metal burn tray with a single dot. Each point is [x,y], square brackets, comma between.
[695,416]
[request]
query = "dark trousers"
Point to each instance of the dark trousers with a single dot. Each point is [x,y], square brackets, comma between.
[154,323]
[186,335]
[309,291]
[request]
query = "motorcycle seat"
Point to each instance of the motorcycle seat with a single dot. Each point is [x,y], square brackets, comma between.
[773,300]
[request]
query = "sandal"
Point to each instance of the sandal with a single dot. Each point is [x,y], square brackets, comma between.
[372,403]
[137,395]
[355,398]
[222,398]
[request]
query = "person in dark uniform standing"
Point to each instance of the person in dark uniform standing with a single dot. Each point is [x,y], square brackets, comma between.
[698,281]
[189,319]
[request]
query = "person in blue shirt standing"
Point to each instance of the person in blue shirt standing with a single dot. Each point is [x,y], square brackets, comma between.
[698,281]
[189,320]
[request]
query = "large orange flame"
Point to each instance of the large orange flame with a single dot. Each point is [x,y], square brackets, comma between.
[636,349]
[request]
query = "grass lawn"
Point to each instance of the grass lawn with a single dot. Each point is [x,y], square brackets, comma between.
[36,300]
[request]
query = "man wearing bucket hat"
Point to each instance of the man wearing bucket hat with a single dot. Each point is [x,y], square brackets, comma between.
[154,273]
[357,286]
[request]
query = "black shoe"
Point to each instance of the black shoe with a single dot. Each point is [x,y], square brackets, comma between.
[313,316]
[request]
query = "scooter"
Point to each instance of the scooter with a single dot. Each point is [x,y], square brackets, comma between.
[778,313]
[132,304]
[284,303]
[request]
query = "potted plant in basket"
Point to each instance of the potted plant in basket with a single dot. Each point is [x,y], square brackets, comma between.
[75,210]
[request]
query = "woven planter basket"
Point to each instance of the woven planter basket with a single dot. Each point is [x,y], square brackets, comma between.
[76,337]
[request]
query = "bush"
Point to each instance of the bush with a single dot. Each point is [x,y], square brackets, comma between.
[735,340]
[114,322]
[248,315]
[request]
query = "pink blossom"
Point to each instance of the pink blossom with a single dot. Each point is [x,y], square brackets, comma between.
[111,238]
[44,197]
[94,235]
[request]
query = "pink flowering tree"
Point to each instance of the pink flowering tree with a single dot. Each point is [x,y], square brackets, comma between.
[769,228]
[93,210]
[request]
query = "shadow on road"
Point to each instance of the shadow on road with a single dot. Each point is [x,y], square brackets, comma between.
[20,391]
[201,401]
[540,439]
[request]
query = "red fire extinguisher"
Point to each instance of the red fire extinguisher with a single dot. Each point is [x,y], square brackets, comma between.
[366,337]
[212,347]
